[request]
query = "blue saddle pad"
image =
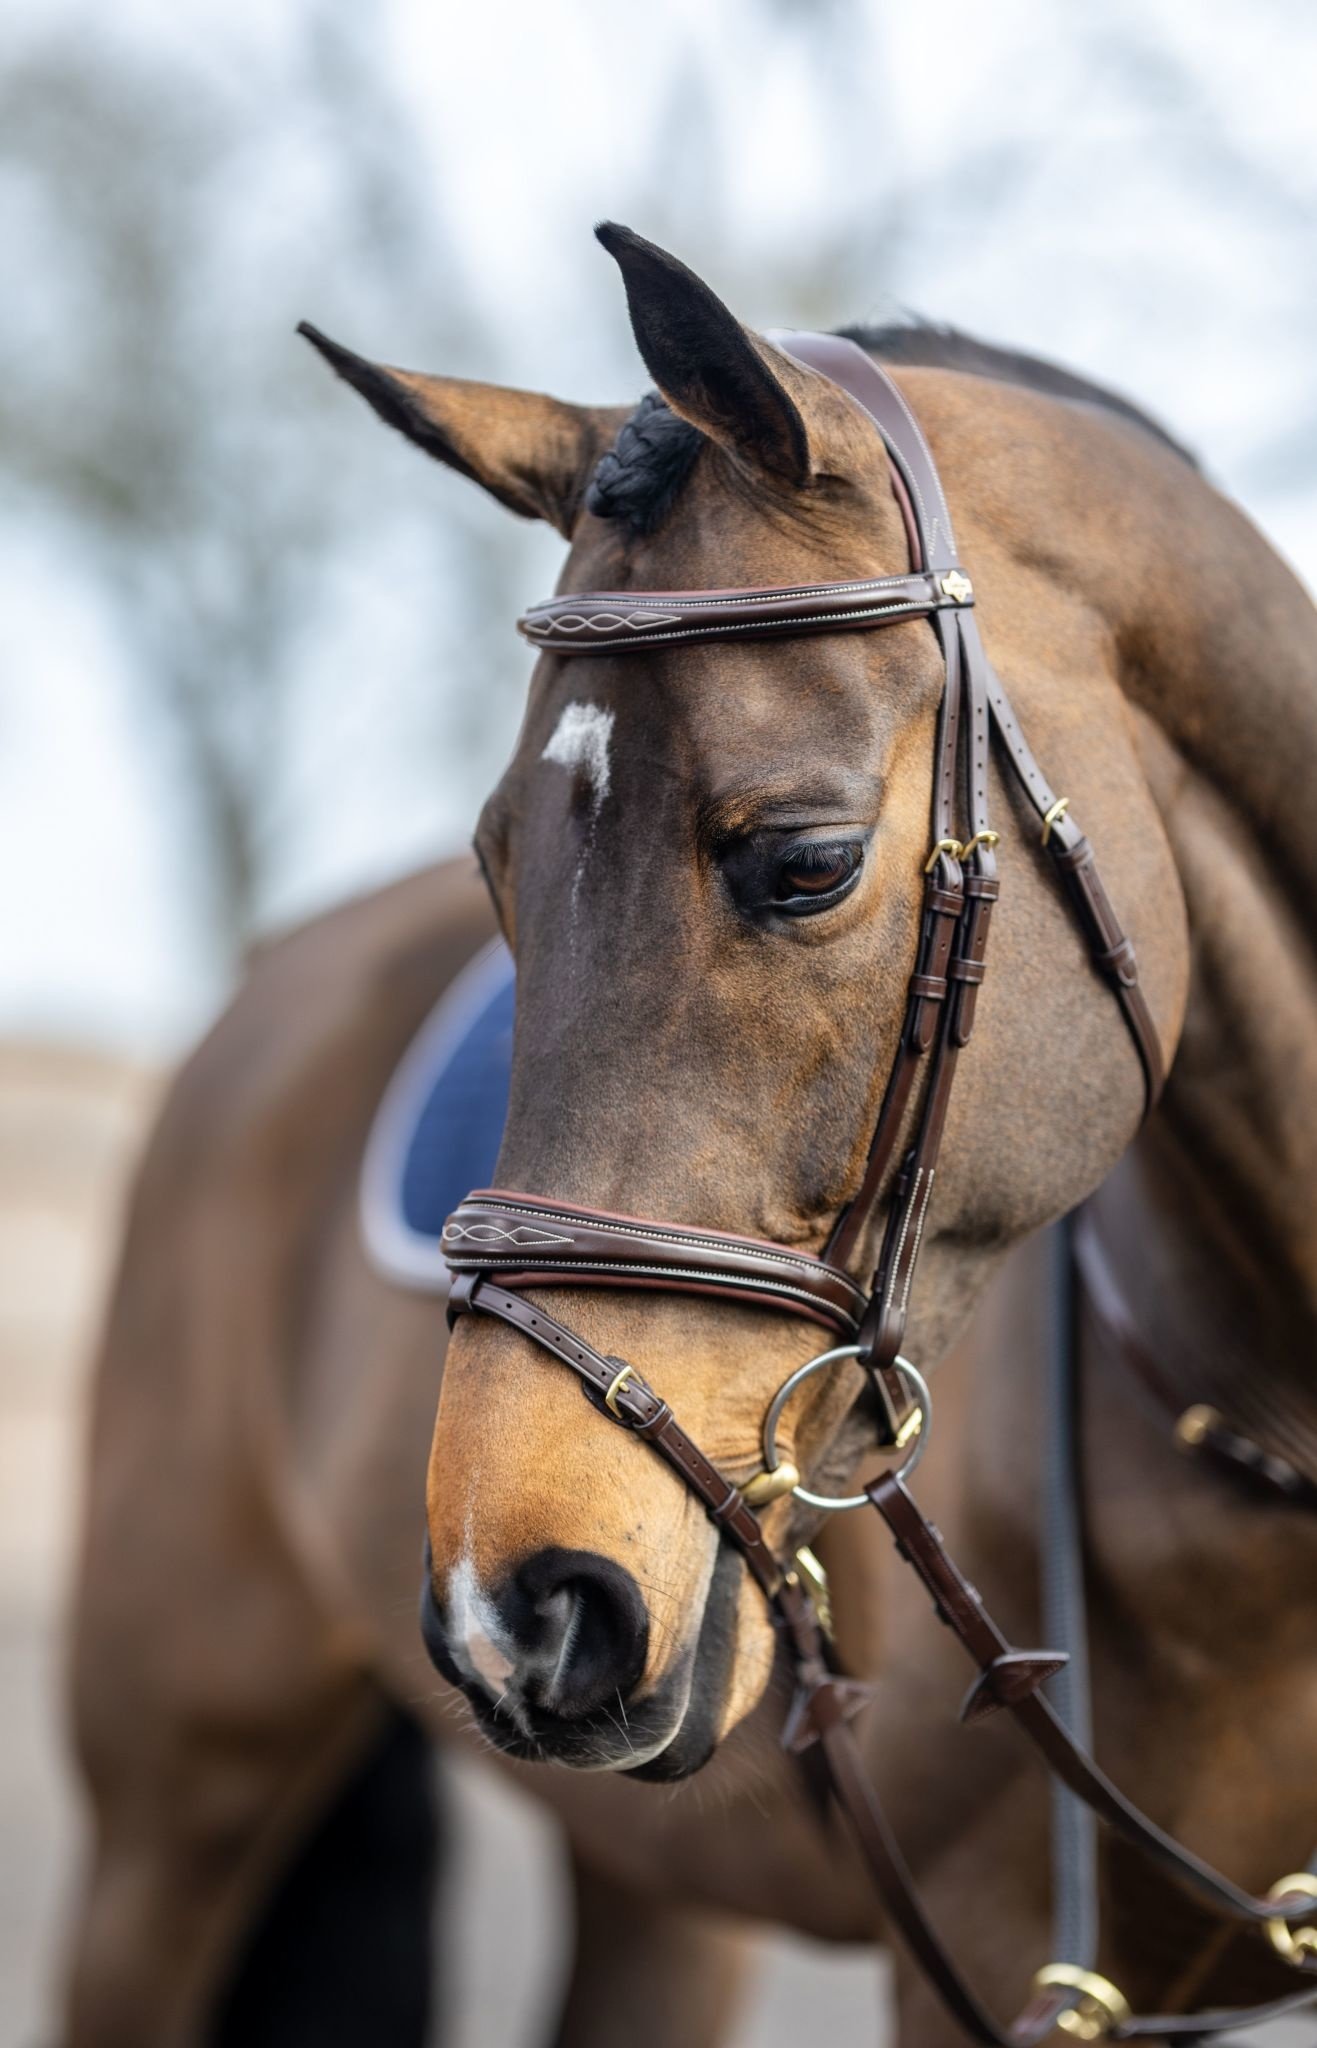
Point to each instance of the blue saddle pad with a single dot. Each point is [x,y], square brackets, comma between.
[437,1130]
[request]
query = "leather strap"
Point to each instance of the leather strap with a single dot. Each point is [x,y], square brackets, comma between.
[961,1607]
[847,364]
[527,1240]
[1008,1678]
[1112,953]
[1208,1434]
[896,1888]
[615,621]
[530,1240]
[618,1390]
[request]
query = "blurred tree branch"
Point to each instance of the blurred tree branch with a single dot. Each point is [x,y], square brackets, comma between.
[155,403]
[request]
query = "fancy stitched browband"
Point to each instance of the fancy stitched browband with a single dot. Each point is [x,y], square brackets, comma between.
[609,621]
[500,1241]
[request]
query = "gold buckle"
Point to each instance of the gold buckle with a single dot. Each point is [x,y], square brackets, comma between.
[1196,1425]
[955,586]
[620,1380]
[1053,816]
[816,1579]
[909,1429]
[1294,1944]
[770,1486]
[988,839]
[950,847]
[1100,2006]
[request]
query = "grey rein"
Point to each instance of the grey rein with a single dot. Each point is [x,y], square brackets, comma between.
[501,1241]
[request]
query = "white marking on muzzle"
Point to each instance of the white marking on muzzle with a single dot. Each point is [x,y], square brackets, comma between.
[475,1637]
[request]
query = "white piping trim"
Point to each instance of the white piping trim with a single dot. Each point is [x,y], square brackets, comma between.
[400,1254]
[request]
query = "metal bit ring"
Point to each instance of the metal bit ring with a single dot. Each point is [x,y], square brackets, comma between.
[918,1442]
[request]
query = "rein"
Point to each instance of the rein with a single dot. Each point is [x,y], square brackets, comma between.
[500,1241]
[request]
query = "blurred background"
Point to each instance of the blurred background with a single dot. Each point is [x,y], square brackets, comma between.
[256,653]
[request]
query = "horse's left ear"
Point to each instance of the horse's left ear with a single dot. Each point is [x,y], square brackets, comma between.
[534,454]
[738,389]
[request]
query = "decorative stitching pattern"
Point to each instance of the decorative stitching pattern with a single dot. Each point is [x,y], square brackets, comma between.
[600,622]
[807,624]
[658,1234]
[522,1236]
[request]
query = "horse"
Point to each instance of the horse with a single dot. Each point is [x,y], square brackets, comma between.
[709,861]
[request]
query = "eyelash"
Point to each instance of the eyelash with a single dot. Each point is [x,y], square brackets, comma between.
[820,856]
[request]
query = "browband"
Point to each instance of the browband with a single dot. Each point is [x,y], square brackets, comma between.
[605,621]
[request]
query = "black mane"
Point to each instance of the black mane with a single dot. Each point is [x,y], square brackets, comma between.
[640,477]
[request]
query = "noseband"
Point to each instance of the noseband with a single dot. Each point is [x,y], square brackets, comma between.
[499,1242]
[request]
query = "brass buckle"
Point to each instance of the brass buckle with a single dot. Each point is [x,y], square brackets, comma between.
[1053,816]
[815,1579]
[909,1429]
[620,1380]
[1295,1945]
[1100,2006]
[767,1486]
[1196,1425]
[955,850]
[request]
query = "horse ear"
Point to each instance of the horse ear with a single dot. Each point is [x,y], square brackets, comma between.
[534,454]
[737,389]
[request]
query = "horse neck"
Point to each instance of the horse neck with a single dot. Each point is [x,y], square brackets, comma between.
[1210,1220]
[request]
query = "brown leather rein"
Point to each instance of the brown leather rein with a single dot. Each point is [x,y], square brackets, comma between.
[499,1242]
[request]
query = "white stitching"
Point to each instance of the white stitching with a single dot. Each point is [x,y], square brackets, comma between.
[919,1233]
[718,599]
[600,622]
[734,1280]
[803,1260]
[902,1234]
[884,611]
[526,1236]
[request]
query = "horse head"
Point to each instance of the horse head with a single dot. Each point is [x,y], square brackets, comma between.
[709,861]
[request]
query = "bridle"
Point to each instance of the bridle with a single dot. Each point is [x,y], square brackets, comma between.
[499,1242]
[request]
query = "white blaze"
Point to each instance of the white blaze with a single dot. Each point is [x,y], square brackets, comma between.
[580,741]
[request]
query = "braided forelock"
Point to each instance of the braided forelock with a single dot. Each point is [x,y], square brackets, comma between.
[639,478]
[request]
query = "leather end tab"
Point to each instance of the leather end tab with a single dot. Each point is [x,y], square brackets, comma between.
[1010,1677]
[459,1295]
[821,1705]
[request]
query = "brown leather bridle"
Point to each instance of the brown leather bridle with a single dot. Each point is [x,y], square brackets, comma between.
[499,1242]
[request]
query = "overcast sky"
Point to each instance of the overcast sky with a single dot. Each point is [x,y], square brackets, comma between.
[1129,188]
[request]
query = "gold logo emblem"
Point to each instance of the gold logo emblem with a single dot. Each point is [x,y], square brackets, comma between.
[957,587]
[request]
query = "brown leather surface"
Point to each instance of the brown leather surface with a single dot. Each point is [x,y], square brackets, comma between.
[525,1238]
[870,386]
[1014,1678]
[1222,1440]
[637,1407]
[615,621]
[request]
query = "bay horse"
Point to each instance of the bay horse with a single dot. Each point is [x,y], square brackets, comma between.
[708,860]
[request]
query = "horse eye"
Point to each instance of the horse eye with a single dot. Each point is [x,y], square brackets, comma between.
[816,873]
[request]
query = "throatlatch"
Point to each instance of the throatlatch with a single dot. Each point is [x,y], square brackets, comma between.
[501,1241]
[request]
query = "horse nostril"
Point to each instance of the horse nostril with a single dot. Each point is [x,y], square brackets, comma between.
[584,1629]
